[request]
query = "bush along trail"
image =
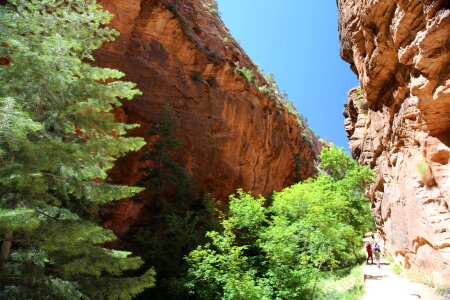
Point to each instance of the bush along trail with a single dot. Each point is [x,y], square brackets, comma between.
[288,246]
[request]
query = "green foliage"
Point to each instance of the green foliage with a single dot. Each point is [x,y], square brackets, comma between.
[442,290]
[186,27]
[58,139]
[272,91]
[348,287]
[424,171]
[189,29]
[360,101]
[176,218]
[422,167]
[278,251]
[415,275]
[248,74]
[359,92]
[214,8]
[163,175]
[397,269]
[307,134]
[336,162]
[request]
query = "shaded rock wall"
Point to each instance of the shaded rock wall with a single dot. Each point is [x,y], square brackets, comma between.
[399,122]
[180,53]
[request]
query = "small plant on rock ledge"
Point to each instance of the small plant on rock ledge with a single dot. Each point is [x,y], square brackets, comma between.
[212,81]
[359,92]
[185,25]
[196,76]
[246,73]
[424,171]
[214,9]
[214,58]
[397,269]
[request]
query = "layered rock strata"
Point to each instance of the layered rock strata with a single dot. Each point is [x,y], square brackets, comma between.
[398,121]
[180,53]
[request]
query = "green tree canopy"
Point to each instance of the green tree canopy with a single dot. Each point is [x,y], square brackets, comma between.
[276,251]
[58,139]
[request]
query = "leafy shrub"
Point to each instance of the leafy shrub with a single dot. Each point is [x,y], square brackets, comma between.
[359,92]
[361,103]
[349,287]
[442,290]
[186,27]
[397,269]
[214,8]
[424,172]
[277,250]
[246,73]
[417,276]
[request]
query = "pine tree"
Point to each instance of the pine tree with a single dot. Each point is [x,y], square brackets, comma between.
[164,178]
[58,138]
[176,219]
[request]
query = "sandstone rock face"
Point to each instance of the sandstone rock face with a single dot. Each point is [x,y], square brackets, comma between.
[180,53]
[398,121]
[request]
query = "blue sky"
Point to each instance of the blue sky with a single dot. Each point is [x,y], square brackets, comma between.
[297,41]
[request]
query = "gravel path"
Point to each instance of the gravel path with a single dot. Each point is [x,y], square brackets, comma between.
[382,284]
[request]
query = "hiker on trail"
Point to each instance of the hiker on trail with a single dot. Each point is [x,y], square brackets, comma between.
[369,252]
[377,252]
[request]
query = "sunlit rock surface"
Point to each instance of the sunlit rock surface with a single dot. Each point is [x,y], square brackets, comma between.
[399,122]
[180,53]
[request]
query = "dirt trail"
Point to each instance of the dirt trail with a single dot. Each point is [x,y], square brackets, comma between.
[382,284]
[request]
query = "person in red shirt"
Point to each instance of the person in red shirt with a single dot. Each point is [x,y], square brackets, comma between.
[369,252]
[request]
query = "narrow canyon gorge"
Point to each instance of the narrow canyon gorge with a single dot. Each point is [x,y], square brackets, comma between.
[210,184]
[398,121]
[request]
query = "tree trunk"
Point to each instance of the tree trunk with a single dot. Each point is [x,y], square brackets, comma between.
[6,247]
[315,281]
[4,252]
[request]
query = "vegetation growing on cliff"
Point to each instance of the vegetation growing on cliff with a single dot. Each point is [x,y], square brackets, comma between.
[58,138]
[271,90]
[247,73]
[279,250]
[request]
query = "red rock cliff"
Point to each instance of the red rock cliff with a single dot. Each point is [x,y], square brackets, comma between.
[180,53]
[399,122]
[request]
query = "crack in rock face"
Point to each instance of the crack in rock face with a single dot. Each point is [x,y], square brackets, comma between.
[398,121]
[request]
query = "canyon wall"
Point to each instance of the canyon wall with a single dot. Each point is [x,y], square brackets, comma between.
[398,121]
[180,53]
